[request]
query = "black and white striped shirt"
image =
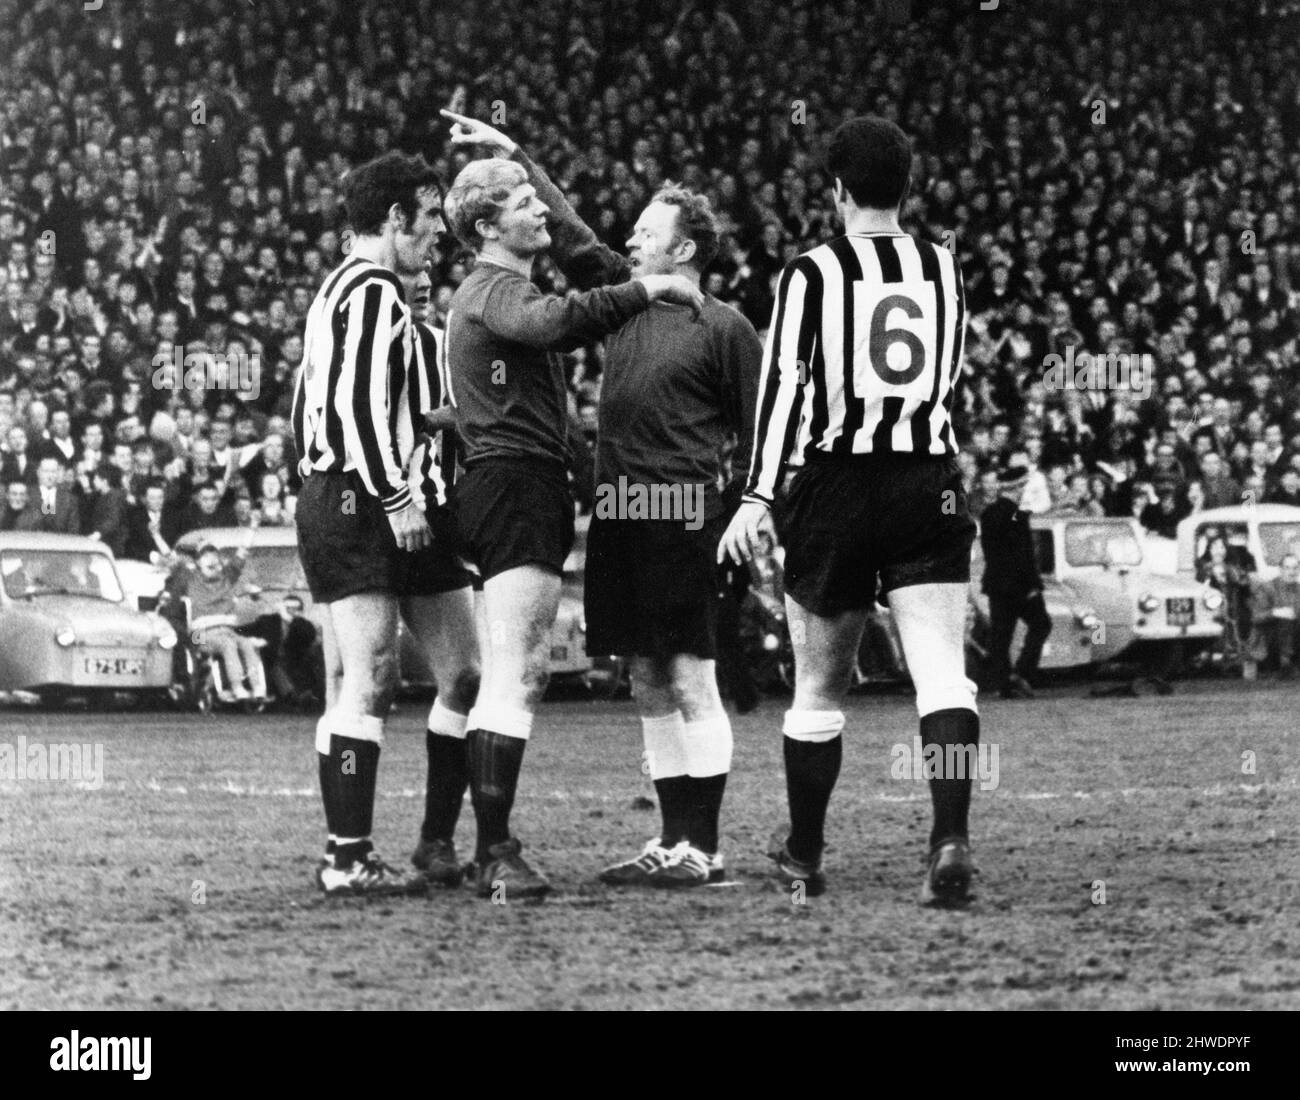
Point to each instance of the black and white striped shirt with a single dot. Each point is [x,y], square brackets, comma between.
[862,356]
[356,400]
[433,466]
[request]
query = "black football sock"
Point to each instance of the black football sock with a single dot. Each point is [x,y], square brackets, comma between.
[705,808]
[355,765]
[329,797]
[811,771]
[494,764]
[951,794]
[674,806]
[444,791]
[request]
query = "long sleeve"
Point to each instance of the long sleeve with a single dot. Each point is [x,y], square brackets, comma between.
[575,248]
[516,310]
[790,345]
[742,360]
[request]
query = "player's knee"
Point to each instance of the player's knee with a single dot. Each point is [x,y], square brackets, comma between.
[537,675]
[945,693]
[464,688]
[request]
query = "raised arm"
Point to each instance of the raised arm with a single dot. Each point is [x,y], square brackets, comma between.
[585,261]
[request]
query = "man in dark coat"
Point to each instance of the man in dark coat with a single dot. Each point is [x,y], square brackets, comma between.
[1013,586]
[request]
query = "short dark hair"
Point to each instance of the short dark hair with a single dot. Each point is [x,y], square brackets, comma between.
[370,189]
[873,159]
[695,220]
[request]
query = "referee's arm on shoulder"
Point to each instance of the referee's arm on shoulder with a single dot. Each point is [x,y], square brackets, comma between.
[791,345]
[362,397]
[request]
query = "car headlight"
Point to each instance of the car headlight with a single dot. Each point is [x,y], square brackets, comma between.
[1213,599]
[771,643]
[167,638]
[1089,619]
[1148,604]
[65,636]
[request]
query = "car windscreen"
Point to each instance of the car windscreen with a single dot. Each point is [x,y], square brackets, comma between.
[59,572]
[1101,544]
[1279,539]
[275,567]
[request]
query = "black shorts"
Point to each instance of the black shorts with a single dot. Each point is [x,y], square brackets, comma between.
[651,588]
[437,568]
[848,521]
[512,512]
[347,547]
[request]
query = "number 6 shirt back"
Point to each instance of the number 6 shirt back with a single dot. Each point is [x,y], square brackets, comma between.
[862,355]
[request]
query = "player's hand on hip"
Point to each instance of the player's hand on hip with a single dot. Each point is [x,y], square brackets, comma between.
[410,529]
[470,131]
[742,539]
[674,288]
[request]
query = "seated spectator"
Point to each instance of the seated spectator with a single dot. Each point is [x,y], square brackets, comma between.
[294,657]
[212,588]
[1277,607]
[1220,571]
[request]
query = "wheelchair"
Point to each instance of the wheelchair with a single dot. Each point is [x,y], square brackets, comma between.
[199,682]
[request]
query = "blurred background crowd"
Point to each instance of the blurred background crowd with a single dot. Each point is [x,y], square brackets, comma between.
[1115,178]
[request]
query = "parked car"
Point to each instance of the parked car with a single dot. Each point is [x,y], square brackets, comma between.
[1267,531]
[66,626]
[1104,600]
[274,567]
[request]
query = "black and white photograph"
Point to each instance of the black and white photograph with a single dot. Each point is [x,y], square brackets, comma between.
[650,506]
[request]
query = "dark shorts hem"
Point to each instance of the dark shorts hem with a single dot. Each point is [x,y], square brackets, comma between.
[651,588]
[513,512]
[853,531]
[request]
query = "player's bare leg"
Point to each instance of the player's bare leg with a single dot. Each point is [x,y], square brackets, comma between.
[349,738]
[931,621]
[333,664]
[519,609]
[445,627]
[688,744]
[824,651]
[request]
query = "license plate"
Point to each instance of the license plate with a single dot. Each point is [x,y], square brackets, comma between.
[1180,611]
[559,653]
[114,666]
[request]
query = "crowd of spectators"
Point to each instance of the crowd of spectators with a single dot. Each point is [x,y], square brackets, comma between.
[1115,178]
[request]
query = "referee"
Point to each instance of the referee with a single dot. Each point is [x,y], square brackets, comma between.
[355,424]
[676,387]
[862,358]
